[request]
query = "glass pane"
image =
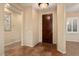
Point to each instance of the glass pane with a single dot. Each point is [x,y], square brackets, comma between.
[69,27]
[75,25]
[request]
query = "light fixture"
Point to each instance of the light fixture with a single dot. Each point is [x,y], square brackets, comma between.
[7,5]
[43,5]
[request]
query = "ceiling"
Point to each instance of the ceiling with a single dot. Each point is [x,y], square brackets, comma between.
[69,7]
[35,5]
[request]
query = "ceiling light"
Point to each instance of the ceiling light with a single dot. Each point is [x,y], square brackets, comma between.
[43,5]
[7,5]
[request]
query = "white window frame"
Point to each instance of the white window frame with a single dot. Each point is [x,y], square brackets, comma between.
[71,19]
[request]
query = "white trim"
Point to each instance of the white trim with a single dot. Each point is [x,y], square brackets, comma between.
[73,40]
[63,52]
[54,43]
[22,42]
[11,43]
[28,44]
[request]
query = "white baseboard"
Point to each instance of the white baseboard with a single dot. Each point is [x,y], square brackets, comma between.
[63,52]
[73,40]
[54,43]
[28,44]
[11,43]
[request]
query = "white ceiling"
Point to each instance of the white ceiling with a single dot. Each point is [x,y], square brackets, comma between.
[69,7]
[26,4]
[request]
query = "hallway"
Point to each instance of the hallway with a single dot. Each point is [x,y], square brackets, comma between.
[24,24]
[33,27]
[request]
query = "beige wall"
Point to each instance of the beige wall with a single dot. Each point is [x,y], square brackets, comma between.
[61,41]
[30,27]
[35,26]
[1,31]
[54,24]
[72,36]
[28,34]
[15,34]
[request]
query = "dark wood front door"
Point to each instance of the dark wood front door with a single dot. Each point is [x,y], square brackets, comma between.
[47,28]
